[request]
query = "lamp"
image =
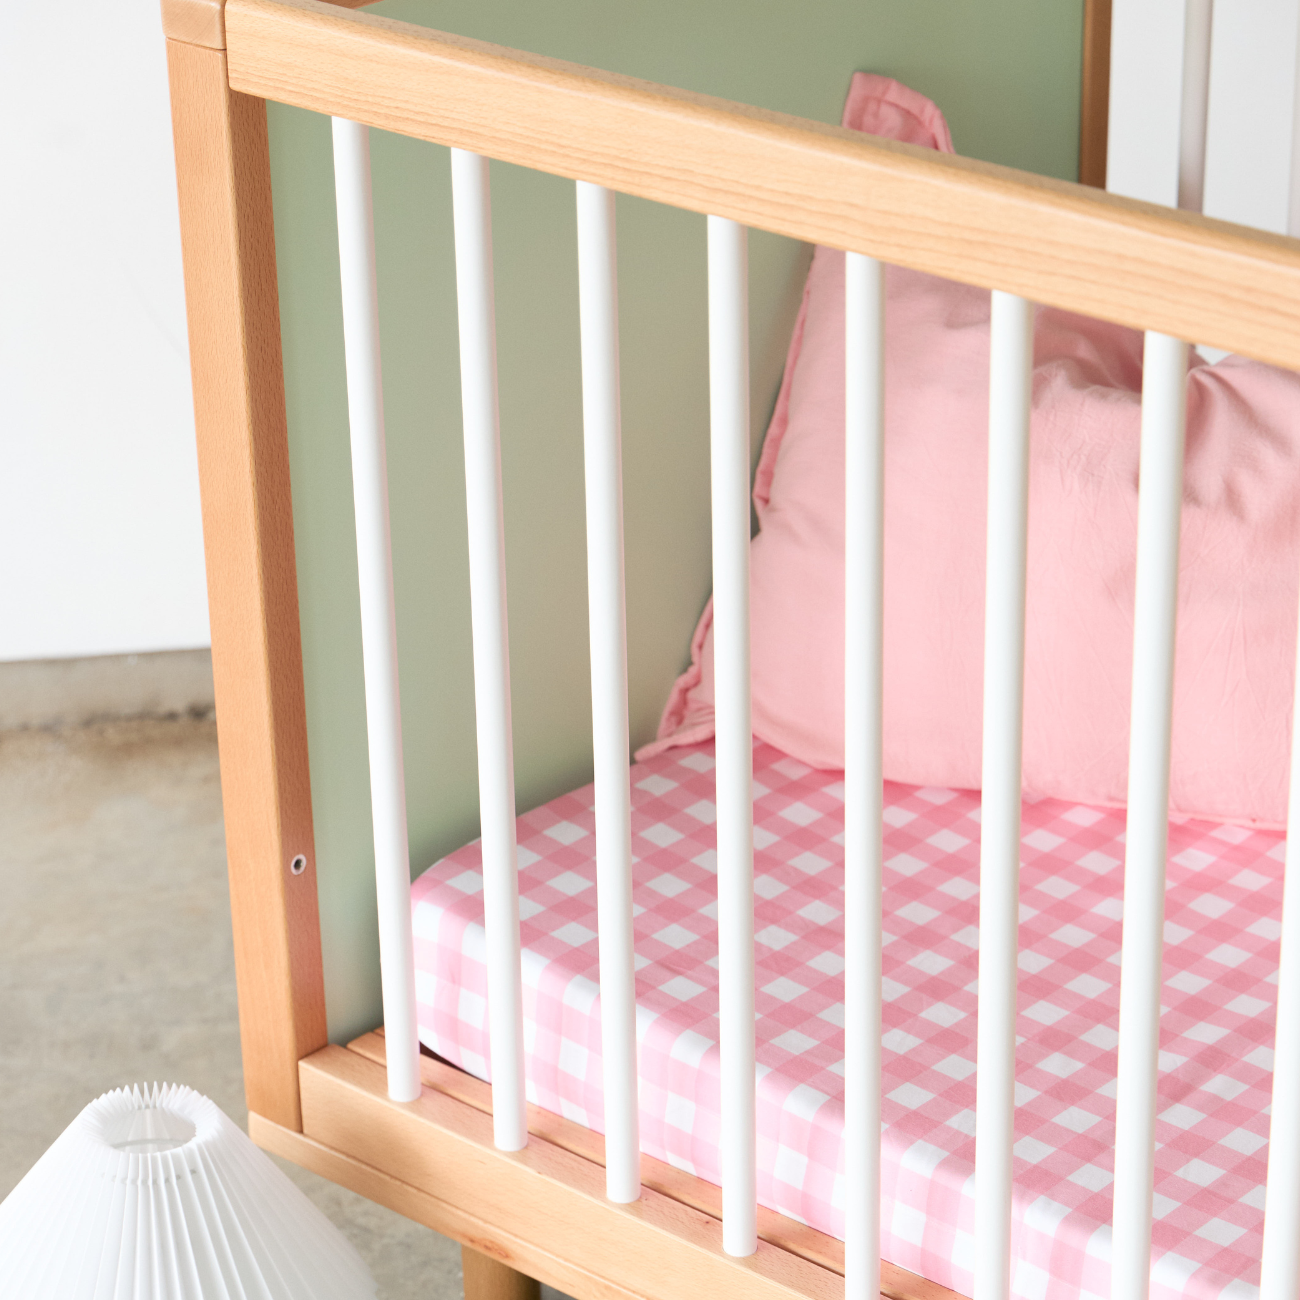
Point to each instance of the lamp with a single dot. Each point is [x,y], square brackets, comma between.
[153,1194]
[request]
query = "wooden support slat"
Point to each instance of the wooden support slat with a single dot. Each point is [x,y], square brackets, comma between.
[787,1234]
[444,1216]
[555,1201]
[487,1238]
[228,244]
[1094,99]
[1050,241]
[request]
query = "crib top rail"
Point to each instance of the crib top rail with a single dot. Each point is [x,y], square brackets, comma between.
[1051,241]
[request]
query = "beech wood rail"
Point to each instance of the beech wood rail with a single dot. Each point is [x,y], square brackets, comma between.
[415,1134]
[1049,241]
[550,1218]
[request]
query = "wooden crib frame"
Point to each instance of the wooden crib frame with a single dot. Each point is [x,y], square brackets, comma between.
[541,1213]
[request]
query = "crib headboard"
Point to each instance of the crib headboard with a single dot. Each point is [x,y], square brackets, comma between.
[1029,238]
[1007,78]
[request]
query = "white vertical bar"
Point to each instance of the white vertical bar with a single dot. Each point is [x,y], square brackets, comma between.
[729,423]
[1293,206]
[1146,77]
[1248,143]
[1197,31]
[1280,1264]
[378,619]
[864,580]
[602,438]
[472,215]
[1164,408]
[1010,404]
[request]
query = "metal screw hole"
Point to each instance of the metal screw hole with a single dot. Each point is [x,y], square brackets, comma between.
[298,865]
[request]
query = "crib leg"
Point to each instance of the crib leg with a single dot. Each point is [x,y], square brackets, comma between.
[489,1279]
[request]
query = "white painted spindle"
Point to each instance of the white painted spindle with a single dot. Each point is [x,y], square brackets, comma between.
[378,618]
[1164,407]
[1196,104]
[606,603]
[472,215]
[729,423]
[1280,1266]
[1010,402]
[1293,203]
[864,582]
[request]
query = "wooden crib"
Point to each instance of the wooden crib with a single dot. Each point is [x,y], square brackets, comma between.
[531,1195]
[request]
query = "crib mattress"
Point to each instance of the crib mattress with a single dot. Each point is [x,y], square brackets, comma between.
[1221,956]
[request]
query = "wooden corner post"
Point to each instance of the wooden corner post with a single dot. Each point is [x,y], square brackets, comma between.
[228,243]
[1094,106]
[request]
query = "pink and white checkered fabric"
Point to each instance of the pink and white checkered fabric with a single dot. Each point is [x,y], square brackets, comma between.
[1221,958]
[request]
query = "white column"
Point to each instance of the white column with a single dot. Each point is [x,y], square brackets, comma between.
[864,547]
[1280,1268]
[1293,191]
[1164,405]
[378,619]
[471,210]
[729,422]
[1010,404]
[606,601]
[1195,104]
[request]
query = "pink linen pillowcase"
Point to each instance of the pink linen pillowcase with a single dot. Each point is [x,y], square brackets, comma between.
[1240,566]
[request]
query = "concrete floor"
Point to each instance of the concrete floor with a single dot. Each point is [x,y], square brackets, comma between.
[115,955]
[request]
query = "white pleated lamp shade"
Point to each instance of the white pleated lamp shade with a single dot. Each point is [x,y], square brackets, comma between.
[153,1194]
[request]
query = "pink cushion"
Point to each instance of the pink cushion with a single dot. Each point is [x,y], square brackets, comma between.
[1240,547]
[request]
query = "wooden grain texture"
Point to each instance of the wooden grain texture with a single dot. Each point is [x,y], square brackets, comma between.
[195,22]
[543,1195]
[434,1212]
[228,245]
[203,22]
[1094,102]
[1050,241]
[487,1278]
[797,1238]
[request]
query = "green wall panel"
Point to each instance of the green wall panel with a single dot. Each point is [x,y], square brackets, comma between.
[1006,73]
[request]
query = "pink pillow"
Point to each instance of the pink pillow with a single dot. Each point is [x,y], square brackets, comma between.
[1240,547]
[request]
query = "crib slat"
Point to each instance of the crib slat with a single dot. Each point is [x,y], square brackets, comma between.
[1280,1264]
[864,581]
[1164,406]
[472,216]
[601,422]
[1293,191]
[1196,104]
[729,423]
[378,617]
[1010,392]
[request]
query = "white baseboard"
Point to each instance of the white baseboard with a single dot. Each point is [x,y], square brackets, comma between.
[72,692]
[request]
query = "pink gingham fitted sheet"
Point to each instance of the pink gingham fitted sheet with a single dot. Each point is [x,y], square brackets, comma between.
[1221,955]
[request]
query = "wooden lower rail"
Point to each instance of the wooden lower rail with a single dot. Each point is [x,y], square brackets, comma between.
[543,1210]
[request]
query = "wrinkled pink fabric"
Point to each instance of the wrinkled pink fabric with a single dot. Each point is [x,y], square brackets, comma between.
[1240,564]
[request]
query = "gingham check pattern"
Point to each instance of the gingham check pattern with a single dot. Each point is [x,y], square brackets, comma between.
[1221,956]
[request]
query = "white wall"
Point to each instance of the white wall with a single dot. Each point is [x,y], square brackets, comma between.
[100,542]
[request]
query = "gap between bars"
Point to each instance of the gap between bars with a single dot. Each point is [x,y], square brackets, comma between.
[1011,367]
